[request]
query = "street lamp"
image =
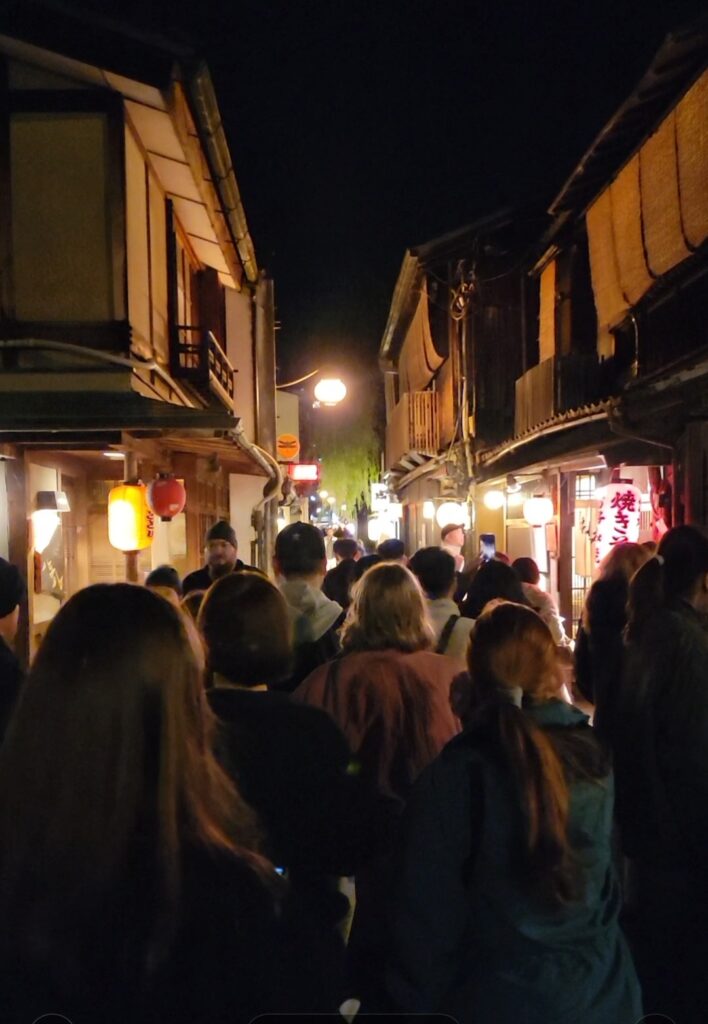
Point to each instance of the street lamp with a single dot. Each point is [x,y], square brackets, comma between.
[328,390]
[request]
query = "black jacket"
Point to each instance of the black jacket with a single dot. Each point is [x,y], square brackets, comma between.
[293,766]
[201,580]
[11,678]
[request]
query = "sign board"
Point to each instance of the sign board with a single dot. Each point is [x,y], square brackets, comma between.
[619,518]
[304,472]
[287,447]
[379,498]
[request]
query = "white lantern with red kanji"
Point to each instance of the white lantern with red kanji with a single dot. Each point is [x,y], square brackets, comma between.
[619,519]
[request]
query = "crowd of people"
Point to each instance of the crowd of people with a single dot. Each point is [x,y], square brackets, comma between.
[368,788]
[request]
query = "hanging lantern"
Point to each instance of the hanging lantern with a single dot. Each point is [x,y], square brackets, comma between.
[166,496]
[494,500]
[538,510]
[619,519]
[450,512]
[131,523]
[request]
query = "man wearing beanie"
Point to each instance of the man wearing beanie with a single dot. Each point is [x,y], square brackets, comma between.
[12,591]
[221,555]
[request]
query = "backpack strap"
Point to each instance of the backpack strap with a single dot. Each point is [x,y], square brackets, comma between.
[446,634]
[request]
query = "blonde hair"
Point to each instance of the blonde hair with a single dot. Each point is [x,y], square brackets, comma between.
[388,610]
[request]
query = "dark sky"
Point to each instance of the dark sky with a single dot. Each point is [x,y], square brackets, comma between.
[360,128]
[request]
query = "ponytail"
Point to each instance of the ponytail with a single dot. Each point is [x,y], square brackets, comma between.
[541,786]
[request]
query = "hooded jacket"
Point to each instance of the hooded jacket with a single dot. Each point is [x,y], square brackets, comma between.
[315,620]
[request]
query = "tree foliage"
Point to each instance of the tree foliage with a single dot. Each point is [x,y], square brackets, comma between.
[349,446]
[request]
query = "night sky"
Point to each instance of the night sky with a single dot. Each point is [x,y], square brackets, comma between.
[358,129]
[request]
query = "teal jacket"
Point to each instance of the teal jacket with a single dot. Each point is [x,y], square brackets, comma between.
[470,939]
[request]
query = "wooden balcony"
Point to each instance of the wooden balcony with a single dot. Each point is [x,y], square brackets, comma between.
[197,357]
[413,428]
[555,386]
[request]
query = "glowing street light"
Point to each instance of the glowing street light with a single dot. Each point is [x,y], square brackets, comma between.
[330,391]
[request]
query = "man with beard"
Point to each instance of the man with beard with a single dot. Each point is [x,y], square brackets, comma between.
[221,554]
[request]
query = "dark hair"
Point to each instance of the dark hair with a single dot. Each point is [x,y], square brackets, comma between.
[663,580]
[435,569]
[365,563]
[493,580]
[192,602]
[165,576]
[526,569]
[107,776]
[246,629]
[391,550]
[511,647]
[338,582]
[345,547]
[300,550]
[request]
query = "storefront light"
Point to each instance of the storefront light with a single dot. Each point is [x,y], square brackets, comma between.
[538,510]
[428,510]
[395,509]
[494,500]
[44,525]
[450,512]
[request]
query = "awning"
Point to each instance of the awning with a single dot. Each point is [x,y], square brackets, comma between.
[76,412]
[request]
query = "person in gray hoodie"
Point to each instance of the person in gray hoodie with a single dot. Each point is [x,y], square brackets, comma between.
[300,564]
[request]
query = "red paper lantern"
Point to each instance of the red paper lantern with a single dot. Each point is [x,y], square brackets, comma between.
[166,496]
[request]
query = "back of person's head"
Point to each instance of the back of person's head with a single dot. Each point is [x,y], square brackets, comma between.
[435,569]
[365,563]
[493,581]
[246,629]
[12,593]
[623,560]
[300,551]
[388,610]
[678,572]
[345,547]
[391,550]
[106,773]
[512,655]
[192,602]
[165,576]
[527,570]
[338,582]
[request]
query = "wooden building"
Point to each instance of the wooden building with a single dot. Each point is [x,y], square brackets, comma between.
[135,325]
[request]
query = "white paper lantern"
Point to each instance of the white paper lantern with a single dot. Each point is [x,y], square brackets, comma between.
[538,511]
[450,512]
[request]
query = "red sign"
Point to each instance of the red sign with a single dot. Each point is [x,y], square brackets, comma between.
[304,472]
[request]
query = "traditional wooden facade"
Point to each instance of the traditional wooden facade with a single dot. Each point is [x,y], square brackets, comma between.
[134,320]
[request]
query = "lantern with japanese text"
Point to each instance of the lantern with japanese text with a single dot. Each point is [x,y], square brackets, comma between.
[619,518]
[166,496]
[131,523]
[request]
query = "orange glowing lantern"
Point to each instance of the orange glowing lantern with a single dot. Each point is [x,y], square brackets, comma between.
[166,496]
[131,523]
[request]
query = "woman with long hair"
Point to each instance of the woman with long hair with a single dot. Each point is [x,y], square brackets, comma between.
[506,907]
[389,694]
[661,758]
[599,646]
[127,887]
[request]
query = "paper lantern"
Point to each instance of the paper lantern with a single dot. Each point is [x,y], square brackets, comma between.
[450,512]
[619,520]
[493,500]
[538,511]
[166,496]
[131,523]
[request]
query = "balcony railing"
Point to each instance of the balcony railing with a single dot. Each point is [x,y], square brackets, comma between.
[197,357]
[413,427]
[555,386]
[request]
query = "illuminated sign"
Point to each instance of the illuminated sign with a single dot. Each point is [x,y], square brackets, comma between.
[619,518]
[304,472]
